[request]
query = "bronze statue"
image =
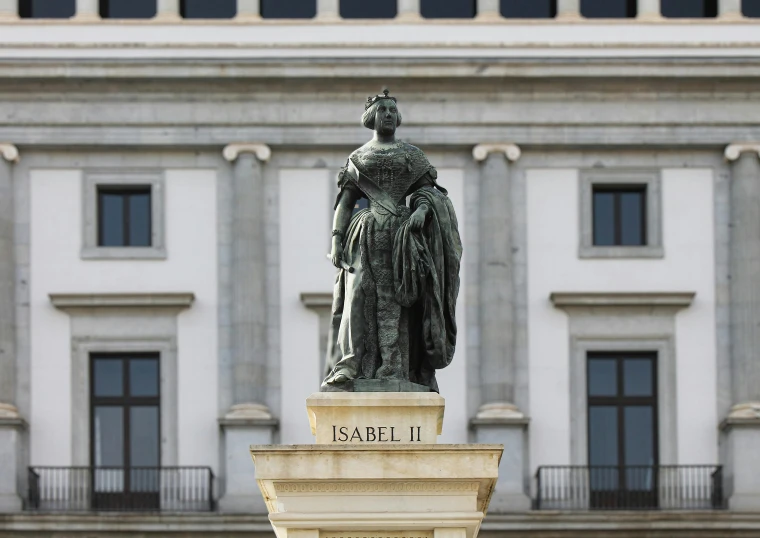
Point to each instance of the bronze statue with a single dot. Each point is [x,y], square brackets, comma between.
[393,321]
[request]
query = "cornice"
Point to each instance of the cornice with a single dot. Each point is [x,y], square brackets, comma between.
[734,151]
[232,151]
[622,299]
[511,151]
[69,301]
[317,299]
[9,152]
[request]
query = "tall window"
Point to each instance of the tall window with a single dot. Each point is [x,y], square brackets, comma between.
[128,9]
[608,9]
[622,429]
[288,9]
[361,203]
[619,214]
[751,8]
[367,9]
[689,8]
[203,9]
[447,9]
[529,9]
[47,9]
[125,430]
[124,216]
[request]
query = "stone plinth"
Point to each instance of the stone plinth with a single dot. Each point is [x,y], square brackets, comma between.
[375,417]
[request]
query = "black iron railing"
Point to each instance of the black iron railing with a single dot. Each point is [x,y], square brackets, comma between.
[635,487]
[135,489]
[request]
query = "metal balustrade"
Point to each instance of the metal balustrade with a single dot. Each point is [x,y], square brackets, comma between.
[119,489]
[635,487]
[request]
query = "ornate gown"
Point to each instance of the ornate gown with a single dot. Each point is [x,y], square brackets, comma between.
[393,317]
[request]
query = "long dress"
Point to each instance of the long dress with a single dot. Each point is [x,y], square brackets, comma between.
[393,317]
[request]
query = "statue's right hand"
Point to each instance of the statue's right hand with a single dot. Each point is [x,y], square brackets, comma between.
[336,255]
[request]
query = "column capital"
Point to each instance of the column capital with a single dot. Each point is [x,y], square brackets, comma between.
[733,151]
[232,151]
[9,152]
[511,151]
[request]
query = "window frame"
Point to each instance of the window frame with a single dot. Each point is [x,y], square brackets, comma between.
[92,183]
[651,181]
[125,192]
[617,190]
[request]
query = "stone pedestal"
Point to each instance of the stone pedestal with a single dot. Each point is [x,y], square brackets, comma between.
[742,447]
[358,488]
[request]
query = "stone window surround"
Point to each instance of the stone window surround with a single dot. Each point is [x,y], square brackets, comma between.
[91,180]
[589,326]
[112,309]
[653,182]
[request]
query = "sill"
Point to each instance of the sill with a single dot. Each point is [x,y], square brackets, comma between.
[644,252]
[123,253]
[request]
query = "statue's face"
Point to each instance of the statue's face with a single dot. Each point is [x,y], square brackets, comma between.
[386,117]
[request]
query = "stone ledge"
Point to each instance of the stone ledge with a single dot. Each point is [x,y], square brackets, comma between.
[622,299]
[66,301]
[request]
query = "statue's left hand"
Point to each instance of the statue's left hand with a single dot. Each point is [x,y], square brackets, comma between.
[417,220]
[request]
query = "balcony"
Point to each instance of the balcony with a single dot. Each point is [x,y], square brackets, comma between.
[116,489]
[662,487]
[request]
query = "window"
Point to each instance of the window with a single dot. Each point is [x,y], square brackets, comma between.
[203,9]
[124,216]
[622,429]
[619,215]
[447,9]
[47,9]
[608,9]
[363,9]
[128,9]
[125,430]
[361,203]
[751,8]
[689,8]
[288,9]
[529,9]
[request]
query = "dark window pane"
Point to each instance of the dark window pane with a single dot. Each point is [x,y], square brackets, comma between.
[608,9]
[143,377]
[604,218]
[602,435]
[144,438]
[637,377]
[639,435]
[364,9]
[47,9]
[111,220]
[128,9]
[447,9]
[602,377]
[529,9]
[689,8]
[109,380]
[751,8]
[361,203]
[288,9]
[631,218]
[139,220]
[208,9]
[108,436]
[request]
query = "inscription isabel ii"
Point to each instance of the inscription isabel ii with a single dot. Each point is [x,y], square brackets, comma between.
[393,322]
[375,434]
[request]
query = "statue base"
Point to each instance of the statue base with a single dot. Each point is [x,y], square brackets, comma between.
[367,477]
[375,385]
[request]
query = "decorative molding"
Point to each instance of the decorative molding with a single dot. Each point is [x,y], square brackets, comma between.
[248,414]
[9,152]
[232,151]
[511,151]
[317,299]
[377,487]
[622,299]
[498,414]
[66,301]
[733,151]
[386,534]
[10,417]
[743,414]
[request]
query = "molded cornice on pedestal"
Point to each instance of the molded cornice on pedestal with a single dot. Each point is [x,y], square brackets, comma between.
[622,299]
[249,414]
[261,151]
[9,152]
[499,413]
[734,151]
[511,151]
[67,301]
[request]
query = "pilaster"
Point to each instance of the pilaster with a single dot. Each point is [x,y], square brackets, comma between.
[248,10]
[10,420]
[8,10]
[730,9]
[648,10]
[248,420]
[742,426]
[488,10]
[569,9]
[87,10]
[409,10]
[168,10]
[499,419]
[328,10]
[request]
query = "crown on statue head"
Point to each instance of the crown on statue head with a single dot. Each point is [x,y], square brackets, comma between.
[372,99]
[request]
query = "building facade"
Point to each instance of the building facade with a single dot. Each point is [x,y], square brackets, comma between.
[167,180]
